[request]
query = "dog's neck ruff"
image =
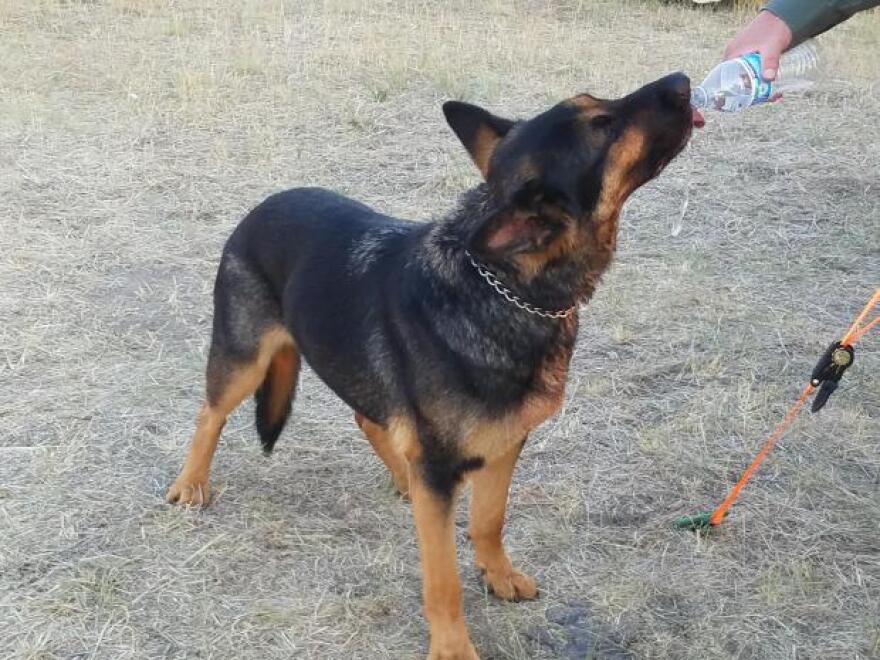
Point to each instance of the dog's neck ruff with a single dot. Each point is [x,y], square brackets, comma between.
[511,297]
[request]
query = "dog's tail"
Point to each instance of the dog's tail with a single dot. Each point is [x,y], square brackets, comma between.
[275,396]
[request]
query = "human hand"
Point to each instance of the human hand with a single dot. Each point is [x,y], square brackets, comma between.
[768,35]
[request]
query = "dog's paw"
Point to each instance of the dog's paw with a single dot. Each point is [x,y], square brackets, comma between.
[464,651]
[510,584]
[189,491]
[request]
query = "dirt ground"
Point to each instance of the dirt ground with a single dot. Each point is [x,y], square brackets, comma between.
[134,134]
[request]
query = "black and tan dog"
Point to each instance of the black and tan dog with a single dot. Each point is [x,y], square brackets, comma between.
[451,339]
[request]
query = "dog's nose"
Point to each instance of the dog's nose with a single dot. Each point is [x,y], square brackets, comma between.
[676,90]
[679,82]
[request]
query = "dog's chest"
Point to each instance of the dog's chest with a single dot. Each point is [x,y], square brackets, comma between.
[488,438]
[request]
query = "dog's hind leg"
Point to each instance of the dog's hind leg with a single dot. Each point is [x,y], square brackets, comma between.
[229,381]
[491,484]
[380,438]
[251,352]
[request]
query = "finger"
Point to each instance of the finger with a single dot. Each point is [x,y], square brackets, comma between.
[769,64]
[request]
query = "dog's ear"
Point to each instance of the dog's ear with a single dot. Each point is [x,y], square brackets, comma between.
[537,218]
[479,131]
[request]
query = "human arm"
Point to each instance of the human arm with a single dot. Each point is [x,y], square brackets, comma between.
[785,23]
[807,18]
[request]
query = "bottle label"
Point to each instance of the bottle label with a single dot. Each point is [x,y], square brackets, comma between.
[761,89]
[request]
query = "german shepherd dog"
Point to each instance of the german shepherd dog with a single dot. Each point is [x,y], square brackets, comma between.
[451,339]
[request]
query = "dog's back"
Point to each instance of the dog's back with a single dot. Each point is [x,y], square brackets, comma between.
[308,229]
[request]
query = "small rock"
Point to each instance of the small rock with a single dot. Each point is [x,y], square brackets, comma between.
[581,644]
[565,615]
[540,635]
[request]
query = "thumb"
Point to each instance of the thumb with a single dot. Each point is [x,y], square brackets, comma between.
[769,64]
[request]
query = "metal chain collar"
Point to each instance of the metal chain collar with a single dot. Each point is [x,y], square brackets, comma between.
[511,297]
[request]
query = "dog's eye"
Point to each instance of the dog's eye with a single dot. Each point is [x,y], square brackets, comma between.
[602,122]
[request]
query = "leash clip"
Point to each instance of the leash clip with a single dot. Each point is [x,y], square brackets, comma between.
[829,370]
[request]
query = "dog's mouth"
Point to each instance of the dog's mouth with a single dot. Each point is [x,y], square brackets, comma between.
[697,118]
[662,163]
[687,131]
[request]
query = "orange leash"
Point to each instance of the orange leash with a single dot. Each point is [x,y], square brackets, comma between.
[856,331]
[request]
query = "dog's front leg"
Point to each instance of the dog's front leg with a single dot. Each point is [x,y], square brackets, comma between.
[488,505]
[434,514]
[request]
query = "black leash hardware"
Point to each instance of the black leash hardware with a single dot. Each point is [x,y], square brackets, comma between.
[829,370]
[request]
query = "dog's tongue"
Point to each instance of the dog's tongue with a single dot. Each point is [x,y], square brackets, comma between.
[699,120]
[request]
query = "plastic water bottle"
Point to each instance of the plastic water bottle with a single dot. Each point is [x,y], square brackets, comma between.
[737,84]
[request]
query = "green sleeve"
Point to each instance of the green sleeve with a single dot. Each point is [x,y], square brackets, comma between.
[807,18]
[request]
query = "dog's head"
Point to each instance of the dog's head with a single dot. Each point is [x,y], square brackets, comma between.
[560,179]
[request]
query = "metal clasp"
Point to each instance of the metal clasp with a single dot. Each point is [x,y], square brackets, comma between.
[829,370]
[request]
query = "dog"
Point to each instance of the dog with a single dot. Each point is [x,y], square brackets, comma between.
[450,339]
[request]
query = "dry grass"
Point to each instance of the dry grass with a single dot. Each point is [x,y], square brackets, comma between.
[135,133]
